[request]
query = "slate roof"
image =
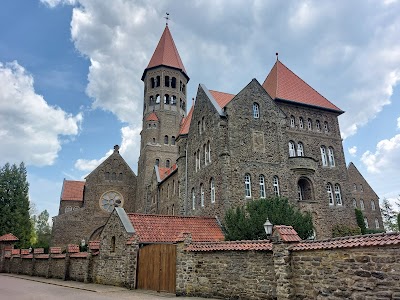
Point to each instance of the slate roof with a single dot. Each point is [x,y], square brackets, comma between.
[286,233]
[9,237]
[231,246]
[282,83]
[152,117]
[72,190]
[166,54]
[381,239]
[169,229]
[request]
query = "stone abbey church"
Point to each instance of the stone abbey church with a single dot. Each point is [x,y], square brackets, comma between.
[276,137]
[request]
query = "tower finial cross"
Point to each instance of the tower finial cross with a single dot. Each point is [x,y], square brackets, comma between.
[166,18]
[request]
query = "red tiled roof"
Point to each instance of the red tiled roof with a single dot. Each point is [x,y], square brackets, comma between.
[71,248]
[94,245]
[9,237]
[152,117]
[165,172]
[161,229]
[45,256]
[282,83]
[72,190]
[286,233]
[55,250]
[166,54]
[186,122]
[38,250]
[222,98]
[231,246]
[79,255]
[16,251]
[381,239]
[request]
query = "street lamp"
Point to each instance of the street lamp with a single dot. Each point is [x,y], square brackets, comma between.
[268,227]
[83,243]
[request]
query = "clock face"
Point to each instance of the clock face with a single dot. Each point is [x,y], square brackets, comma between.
[111,199]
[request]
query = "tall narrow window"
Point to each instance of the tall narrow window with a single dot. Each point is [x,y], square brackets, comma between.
[173,209]
[173,187]
[202,195]
[355,187]
[323,156]
[203,124]
[166,140]
[157,162]
[172,140]
[193,199]
[166,81]
[301,123]
[362,206]
[326,126]
[291,121]
[330,193]
[158,81]
[168,191]
[276,185]
[300,149]
[292,150]
[199,127]
[331,157]
[376,223]
[205,154]
[199,158]
[338,195]
[309,124]
[112,244]
[195,158]
[366,223]
[262,186]
[354,203]
[300,192]
[361,188]
[167,163]
[373,205]
[256,110]
[318,125]
[212,190]
[209,151]
[247,185]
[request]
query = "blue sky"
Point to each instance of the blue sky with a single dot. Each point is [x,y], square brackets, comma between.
[70,72]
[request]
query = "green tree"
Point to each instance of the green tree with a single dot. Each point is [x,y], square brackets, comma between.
[388,215]
[14,203]
[42,230]
[360,221]
[398,221]
[246,223]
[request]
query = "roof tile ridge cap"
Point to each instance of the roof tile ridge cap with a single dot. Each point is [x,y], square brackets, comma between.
[309,86]
[277,77]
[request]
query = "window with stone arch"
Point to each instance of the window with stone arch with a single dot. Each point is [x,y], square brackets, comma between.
[68,209]
[305,189]
[326,128]
[172,140]
[203,124]
[276,185]
[256,110]
[361,188]
[362,206]
[309,124]
[355,187]
[330,193]
[300,149]
[366,222]
[212,190]
[112,248]
[201,195]
[376,223]
[209,151]
[157,162]
[205,150]
[331,157]
[173,83]
[323,156]
[318,125]
[167,163]
[193,199]
[354,203]
[338,194]
[292,121]
[373,205]
[166,140]
[247,185]
[166,81]
[301,123]
[292,149]
[261,180]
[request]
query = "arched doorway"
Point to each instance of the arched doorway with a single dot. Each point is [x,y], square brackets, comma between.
[305,190]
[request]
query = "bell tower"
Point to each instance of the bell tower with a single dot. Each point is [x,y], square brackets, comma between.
[164,106]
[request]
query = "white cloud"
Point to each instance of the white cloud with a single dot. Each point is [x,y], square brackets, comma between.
[386,157]
[54,3]
[353,151]
[31,129]
[88,165]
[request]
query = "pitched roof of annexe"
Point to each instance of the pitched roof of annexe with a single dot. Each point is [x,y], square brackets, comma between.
[152,117]
[72,190]
[9,237]
[170,229]
[281,83]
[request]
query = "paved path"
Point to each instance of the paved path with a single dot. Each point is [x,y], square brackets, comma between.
[22,287]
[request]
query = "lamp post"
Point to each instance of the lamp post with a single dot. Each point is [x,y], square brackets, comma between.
[268,226]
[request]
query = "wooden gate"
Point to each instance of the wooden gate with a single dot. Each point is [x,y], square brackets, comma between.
[157,268]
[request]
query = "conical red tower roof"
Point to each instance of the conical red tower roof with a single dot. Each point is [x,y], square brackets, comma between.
[166,54]
[281,83]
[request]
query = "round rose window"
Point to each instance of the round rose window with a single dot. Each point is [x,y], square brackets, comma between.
[111,199]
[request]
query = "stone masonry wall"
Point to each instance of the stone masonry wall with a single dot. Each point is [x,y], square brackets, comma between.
[357,273]
[78,268]
[41,267]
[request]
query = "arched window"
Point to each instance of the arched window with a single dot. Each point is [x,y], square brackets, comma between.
[172,140]
[276,185]
[166,81]
[193,199]
[256,110]
[362,206]
[300,149]
[112,244]
[203,124]
[157,99]
[153,83]
[166,99]
[247,185]
[338,195]
[154,140]
[331,157]
[262,186]
[304,189]
[120,176]
[318,125]
[301,123]
[361,188]
[202,195]
[173,83]
[158,81]
[68,209]
[209,151]
[157,162]
[212,190]
[166,140]
[151,100]
[376,223]
[366,222]
[354,203]
[199,159]
[292,149]
[173,100]
[167,163]
[114,176]
[173,209]
[205,154]
[330,193]
[291,121]
[326,126]
[355,187]
[107,176]
[323,156]
[309,124]
[199,127]
[373,205]
[75,208]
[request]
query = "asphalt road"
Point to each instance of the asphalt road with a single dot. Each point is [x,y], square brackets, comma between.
[21,287]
